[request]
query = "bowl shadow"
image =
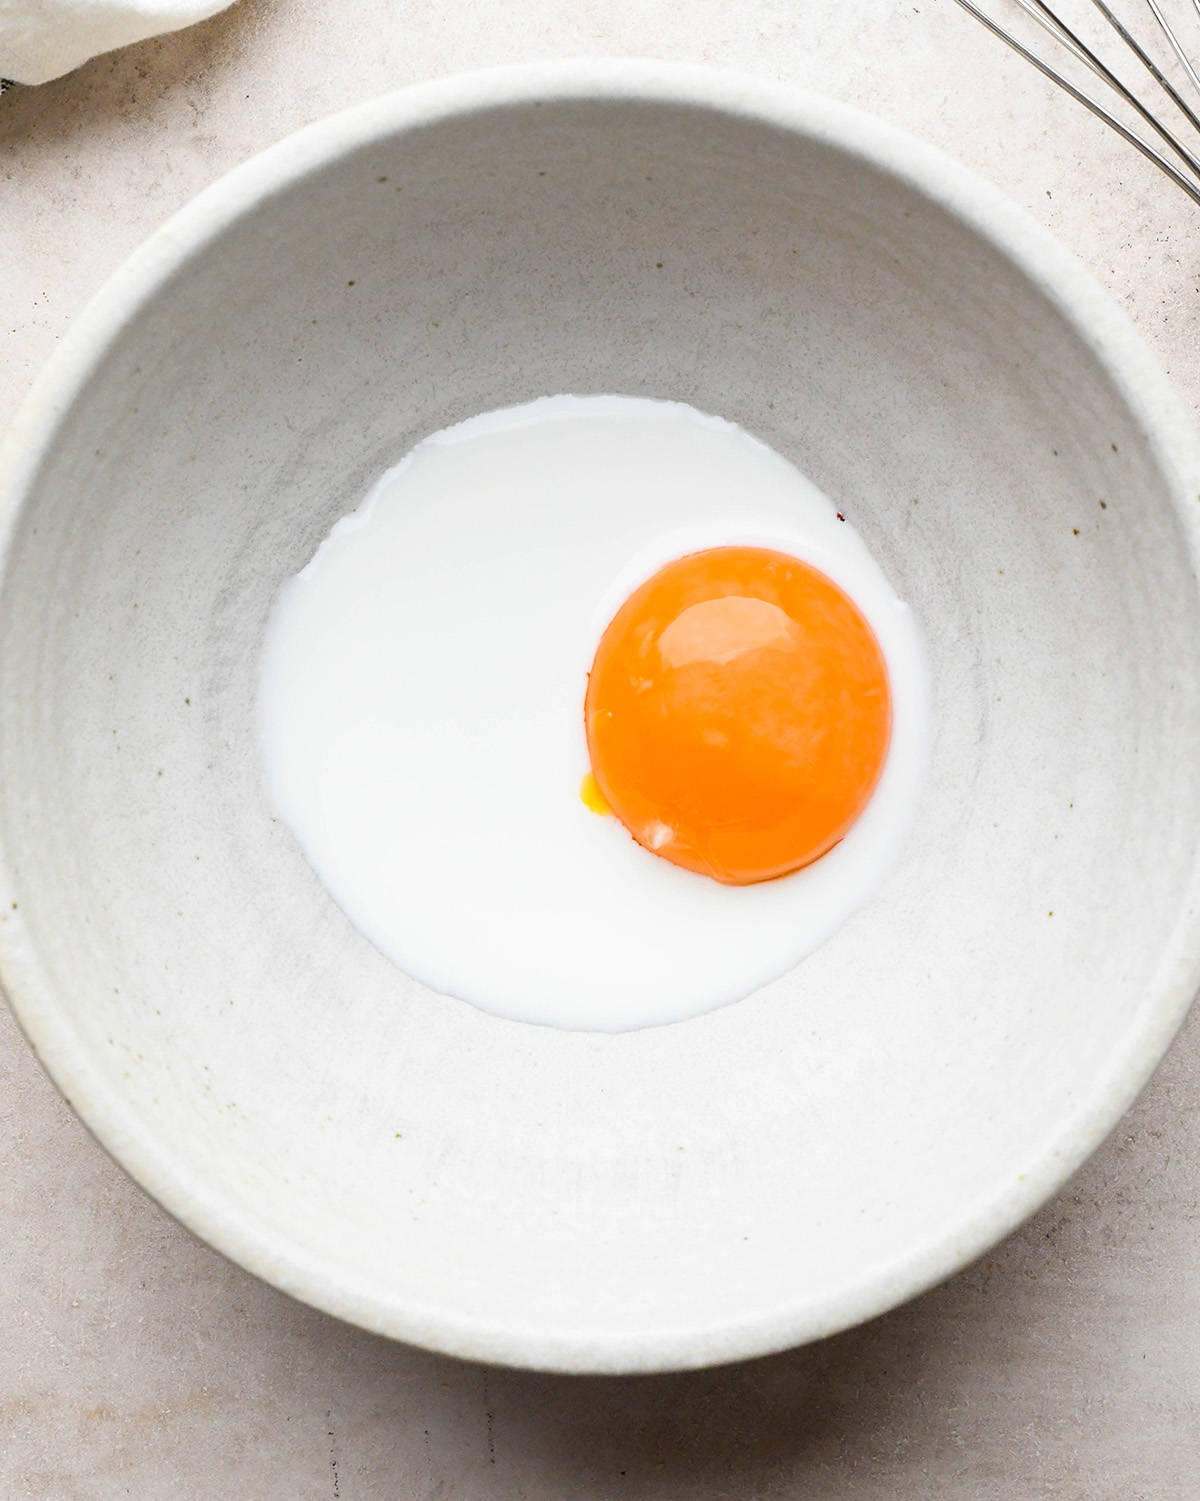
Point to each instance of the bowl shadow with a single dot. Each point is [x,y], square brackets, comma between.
[962,1387]
[880,1399]
[865,1413]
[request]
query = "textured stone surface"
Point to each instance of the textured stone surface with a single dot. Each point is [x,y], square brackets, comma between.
[136,1362]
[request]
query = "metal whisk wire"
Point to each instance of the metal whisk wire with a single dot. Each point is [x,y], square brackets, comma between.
[1184,170]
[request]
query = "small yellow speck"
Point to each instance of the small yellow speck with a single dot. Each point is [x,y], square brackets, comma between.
[592,797]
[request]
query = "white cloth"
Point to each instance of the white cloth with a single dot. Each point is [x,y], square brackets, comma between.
[39,39]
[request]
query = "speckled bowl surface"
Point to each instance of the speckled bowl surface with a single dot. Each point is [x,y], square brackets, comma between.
[765,1174]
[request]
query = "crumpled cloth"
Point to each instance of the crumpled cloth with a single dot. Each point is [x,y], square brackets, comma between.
[40,39]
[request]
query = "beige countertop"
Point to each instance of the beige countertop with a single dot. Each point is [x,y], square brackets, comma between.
[136,1362]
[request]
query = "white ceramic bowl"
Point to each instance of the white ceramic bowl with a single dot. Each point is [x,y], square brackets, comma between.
[765,1174]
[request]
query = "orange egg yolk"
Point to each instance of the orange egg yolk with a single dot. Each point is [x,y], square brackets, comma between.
[738,713]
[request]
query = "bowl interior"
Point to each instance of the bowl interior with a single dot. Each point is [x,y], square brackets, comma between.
[683,1194]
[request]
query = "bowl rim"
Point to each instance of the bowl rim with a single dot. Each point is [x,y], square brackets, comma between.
[1096,320]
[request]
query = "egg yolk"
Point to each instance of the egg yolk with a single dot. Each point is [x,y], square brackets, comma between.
[738,713]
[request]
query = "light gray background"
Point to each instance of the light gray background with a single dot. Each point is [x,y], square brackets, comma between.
[136,1362]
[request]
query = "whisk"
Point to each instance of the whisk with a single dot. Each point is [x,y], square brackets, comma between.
[1157,141]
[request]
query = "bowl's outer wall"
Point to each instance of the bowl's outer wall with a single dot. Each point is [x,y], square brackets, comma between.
[681,1195]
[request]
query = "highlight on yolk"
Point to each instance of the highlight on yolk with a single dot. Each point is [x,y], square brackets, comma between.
[738,713]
